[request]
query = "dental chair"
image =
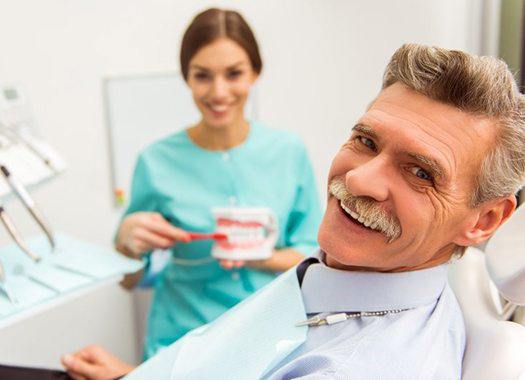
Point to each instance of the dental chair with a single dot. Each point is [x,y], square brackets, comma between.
[490,286]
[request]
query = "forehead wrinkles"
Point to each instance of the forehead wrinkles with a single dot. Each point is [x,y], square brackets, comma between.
[421,118]
[442,115]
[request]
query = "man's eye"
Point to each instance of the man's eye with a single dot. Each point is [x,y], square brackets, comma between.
[420,173]
[367,142]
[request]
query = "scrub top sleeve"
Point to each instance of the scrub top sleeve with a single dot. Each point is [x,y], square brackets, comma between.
[142,192]
[304,219]
[142,198]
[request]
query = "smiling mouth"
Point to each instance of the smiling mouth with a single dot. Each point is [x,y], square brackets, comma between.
[218,108]
[358,219]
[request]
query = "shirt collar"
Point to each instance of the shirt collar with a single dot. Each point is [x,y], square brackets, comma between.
[326,289]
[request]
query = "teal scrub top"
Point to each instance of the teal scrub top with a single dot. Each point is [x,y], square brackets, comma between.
[183,182]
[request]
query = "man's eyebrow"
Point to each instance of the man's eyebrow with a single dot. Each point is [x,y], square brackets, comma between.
[366,130]
[431,163]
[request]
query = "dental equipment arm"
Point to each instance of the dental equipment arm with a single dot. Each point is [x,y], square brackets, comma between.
[16,136]
[29,204]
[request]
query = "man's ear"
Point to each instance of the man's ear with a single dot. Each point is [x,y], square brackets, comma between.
[490,216]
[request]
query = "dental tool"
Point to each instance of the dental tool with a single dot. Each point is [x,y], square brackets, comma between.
[13,232]
[29,204]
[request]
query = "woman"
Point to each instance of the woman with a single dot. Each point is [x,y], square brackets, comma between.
[222,160]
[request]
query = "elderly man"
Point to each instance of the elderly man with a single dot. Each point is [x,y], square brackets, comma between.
[429,169]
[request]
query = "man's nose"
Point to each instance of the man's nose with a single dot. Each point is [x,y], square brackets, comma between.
[370,179]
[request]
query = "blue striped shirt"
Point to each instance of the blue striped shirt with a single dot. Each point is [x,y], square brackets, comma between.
[426,341]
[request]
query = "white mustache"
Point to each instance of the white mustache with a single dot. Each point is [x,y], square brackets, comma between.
[368,209]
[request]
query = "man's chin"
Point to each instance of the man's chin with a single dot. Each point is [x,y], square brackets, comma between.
[350,254]
[359,261]
[345,263]
[348,248]
[338,254]
[333,262]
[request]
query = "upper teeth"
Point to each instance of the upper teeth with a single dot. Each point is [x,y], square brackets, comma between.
[359,218]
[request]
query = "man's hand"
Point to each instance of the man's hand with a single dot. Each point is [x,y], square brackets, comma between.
[94,363]
[142,232]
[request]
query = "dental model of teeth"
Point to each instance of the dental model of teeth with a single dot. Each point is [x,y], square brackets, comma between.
[241,234]
[244,235]
[247,240]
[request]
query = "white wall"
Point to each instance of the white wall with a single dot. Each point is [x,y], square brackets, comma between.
[323,64]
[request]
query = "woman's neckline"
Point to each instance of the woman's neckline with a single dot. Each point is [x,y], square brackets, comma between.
[243,143]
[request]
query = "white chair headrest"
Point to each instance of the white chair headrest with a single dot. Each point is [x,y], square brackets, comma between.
[505,258]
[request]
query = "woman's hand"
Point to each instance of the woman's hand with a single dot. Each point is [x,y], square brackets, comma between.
[142,232]
[94,363]
[280,261]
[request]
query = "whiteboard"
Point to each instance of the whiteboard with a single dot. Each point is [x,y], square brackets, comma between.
[141,109]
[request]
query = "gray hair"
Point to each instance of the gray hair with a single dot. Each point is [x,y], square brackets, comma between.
[482,86]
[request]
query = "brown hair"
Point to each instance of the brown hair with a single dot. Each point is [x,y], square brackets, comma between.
[215,23]
[483,86]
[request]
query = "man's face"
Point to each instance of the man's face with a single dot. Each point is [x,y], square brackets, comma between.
[408,172]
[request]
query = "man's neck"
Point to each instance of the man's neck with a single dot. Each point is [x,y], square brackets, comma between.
[441,257]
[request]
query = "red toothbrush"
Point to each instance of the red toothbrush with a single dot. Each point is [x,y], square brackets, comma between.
[202,236]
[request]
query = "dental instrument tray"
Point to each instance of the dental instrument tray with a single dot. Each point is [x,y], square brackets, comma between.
[72,269]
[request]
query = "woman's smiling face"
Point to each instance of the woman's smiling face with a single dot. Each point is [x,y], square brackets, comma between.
[220,77]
